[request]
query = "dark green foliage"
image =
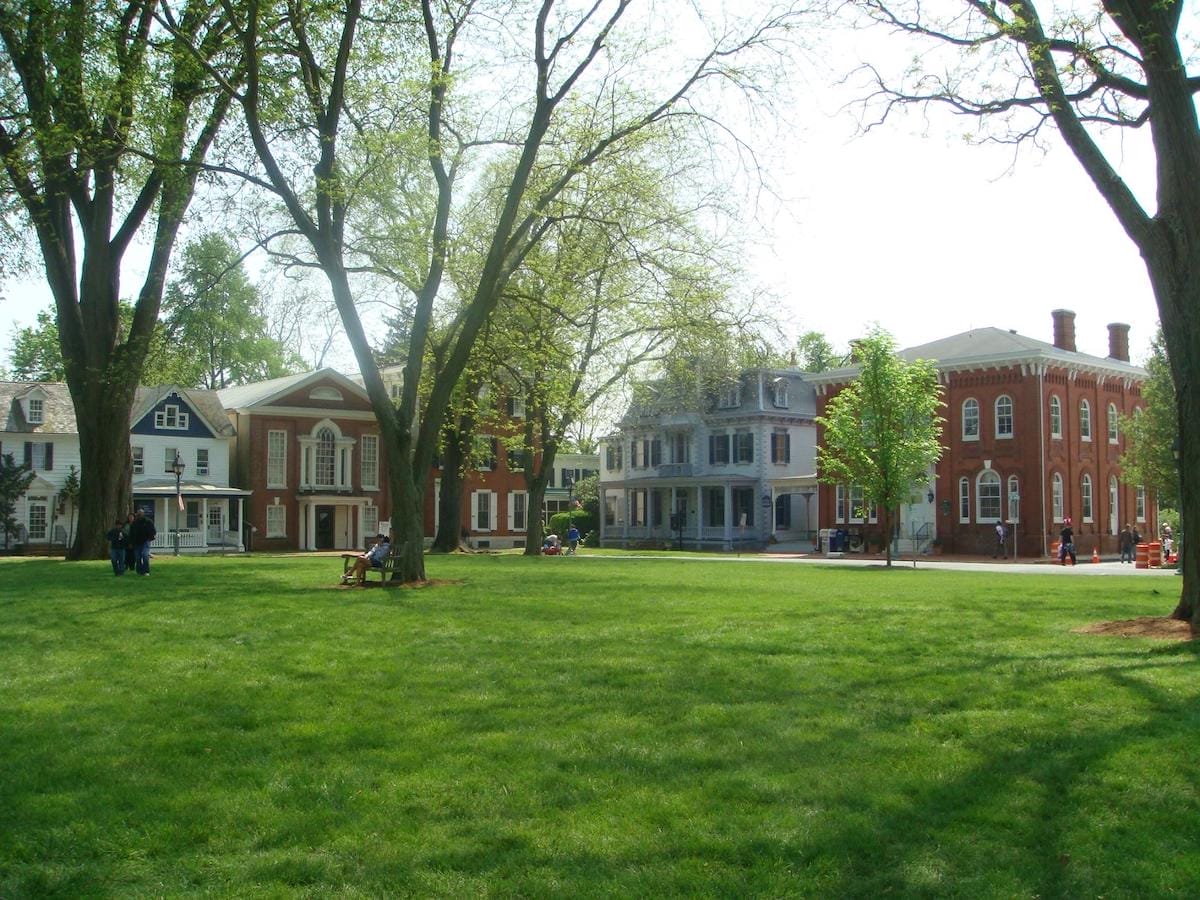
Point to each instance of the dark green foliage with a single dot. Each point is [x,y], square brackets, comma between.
[14,481]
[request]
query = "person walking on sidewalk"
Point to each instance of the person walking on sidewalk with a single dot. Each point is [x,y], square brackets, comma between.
[1001,534]
[1126,543]
[1067,547]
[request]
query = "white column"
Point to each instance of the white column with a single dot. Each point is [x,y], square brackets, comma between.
[729,515]
[310,521]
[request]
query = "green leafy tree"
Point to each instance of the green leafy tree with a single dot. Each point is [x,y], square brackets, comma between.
[68,501]
[215,322]
[1150,435]
[14,481]
[1022,66]
[814,353]
[105,118]
[883,430]
[340,106]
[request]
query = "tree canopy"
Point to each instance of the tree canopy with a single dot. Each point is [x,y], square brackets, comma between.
[1151,433]
[883,430]
[1024,69]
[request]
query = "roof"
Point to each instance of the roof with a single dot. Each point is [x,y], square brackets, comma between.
[205,402]
[59,409]
[994,348]
[260,392]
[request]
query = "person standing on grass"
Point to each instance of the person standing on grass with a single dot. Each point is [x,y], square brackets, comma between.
[1001,549]
[117,544]
[1067,547]
[142,532]
[572,539]
[1126,543]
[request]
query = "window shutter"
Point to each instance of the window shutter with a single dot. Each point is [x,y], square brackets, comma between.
[492,511]
[474,511]
[712,449]
[49,456]
[511,505]
[787,448]
[29,454]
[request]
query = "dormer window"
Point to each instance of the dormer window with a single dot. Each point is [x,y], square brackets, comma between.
[779,391]
[730,396]
[37,411]
[171,417]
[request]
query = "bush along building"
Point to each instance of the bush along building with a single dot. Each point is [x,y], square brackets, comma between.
[736,470]
[1032,436]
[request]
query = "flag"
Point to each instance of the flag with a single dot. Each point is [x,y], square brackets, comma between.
[179,498]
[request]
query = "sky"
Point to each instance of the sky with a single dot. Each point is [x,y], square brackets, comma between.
[911,228]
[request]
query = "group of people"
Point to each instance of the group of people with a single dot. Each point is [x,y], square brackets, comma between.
[1128,540]
[129,543]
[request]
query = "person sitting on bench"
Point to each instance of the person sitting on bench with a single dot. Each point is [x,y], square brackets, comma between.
[373,558]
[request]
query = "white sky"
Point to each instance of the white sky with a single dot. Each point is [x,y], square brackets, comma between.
[922,233]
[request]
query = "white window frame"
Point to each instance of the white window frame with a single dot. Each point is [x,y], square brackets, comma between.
[1140,508]
[1085,420]
[742,450]
[276,521]
[368,461]
[37,410]
[37,502]
[1057,498]
[478,498]
[970,412]
[779,393]
[370,521]
[995,483]
[279,463]
[169,455]
[138,456]
[964,499]
[202,461]
[1055,417]
[1086,500]
[841,506]
[1114,425]
[171,418]
[515,522]
[1001,434]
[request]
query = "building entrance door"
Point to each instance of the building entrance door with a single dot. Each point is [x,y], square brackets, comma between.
[324,528]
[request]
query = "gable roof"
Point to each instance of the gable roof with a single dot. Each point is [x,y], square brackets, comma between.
[58,410]
[987,348]
[261,393]
[204,402]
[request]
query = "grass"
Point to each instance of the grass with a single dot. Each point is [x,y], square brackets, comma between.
[597,726]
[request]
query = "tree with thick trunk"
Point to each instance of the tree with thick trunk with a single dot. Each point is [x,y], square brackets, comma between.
[104,121]
[1121,64]
[571,83]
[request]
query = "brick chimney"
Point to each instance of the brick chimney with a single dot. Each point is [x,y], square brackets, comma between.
[1118,341]
[1064,329]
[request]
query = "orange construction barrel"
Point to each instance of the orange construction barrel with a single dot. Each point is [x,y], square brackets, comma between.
[1154,559]
[1054,546]
[1142,559]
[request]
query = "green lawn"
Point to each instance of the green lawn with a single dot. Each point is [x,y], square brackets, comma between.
[591,726]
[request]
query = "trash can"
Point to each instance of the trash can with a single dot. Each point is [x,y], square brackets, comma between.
[823,541]
[843,540]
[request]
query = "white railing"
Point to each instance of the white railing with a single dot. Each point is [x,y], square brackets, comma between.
[187,540]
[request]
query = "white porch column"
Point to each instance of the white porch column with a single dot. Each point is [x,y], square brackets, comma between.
[310,523]
[204,522]
[728,515]
[624,513]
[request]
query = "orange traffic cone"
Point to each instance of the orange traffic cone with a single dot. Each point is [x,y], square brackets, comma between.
[1096,553]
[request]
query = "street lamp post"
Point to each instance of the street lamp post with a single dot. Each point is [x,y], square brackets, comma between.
[177,468]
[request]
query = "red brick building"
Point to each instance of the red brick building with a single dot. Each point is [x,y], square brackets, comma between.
[309,450]
[1031,437]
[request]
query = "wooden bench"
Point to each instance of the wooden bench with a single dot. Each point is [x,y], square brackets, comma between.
[383,570]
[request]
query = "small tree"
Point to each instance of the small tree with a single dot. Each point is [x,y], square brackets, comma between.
[68,498]
[14,481]
[1150,434]
[882,431]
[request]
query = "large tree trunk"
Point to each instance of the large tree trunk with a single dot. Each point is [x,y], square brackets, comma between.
[535,488]
[449,533]
[104,484]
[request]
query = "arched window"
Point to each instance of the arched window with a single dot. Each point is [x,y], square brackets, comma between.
[1055,417]
[1085,421]
[1056,497]
[1014,499]
[1004,416]
[1113,424]
[970,419]
[964,500]
[988,491]
[1085,497]
[325,457]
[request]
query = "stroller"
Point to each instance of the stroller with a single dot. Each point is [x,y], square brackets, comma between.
[552,546]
